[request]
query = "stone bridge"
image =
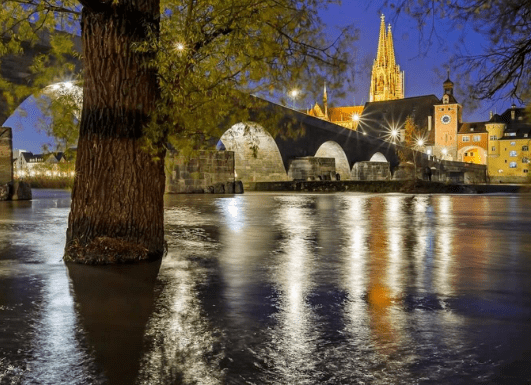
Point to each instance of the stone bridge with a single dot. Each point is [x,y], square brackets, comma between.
[318,150]
[261,157]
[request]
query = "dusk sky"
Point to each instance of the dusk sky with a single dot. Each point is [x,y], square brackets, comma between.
[421,76]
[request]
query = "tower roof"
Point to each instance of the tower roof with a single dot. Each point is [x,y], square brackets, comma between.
[448,83]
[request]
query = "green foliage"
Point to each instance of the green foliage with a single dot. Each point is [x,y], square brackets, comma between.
[501,69]
[210,56]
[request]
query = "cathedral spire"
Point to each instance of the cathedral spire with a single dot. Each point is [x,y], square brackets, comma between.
[390,48]
[387,82]
[381,56]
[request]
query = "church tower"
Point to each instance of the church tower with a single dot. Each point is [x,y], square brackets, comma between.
[387,81]
[448,118]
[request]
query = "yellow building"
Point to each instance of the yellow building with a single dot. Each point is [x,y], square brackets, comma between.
[508,146]
[347,116]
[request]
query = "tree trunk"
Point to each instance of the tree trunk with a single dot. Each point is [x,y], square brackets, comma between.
[117,198]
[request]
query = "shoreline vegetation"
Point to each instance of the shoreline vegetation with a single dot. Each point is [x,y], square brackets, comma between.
[41,182]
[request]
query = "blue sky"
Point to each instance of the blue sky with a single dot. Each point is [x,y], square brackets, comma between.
[421,73]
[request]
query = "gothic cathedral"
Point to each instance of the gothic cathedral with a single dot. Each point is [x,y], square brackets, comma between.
[387,81]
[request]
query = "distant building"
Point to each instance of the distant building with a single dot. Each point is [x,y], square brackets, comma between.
[509,136]
[347,116]
[27,163]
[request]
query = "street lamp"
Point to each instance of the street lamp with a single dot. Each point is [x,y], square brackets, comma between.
[179,46]
[394,134]
[293,94]
[444,152]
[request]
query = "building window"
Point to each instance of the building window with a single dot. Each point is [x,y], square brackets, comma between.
[466,138]
[505,160]
[525,160]
[525,148]
[476,138]
[513,143]
[493,148]
[512,153]
[493,137]
[512,165]
[510,134]
[526,171]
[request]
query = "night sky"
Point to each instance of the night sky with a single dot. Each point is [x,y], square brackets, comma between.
[424,74]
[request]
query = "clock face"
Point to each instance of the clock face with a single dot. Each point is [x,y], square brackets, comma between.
[446,119]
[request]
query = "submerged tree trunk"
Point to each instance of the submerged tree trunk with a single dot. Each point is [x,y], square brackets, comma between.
[117,199]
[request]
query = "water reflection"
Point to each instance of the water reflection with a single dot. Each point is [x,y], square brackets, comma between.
[277,289]
[292,346]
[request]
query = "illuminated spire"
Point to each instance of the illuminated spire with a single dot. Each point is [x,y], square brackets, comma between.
[381,56]
[387,81]
[390,48]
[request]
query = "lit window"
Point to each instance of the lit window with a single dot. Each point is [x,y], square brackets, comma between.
[493,137]
[525,148]
[513,143]
[466,138]
[476,138]
[512,153]
[512,165]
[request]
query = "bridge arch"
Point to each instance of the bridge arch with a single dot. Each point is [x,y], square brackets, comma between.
[378,157]
[29,116]
[332,149]
[256,154]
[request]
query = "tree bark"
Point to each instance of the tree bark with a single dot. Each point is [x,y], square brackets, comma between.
[117,198]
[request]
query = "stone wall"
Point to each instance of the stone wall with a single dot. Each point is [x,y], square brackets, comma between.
[206,172]
[6,155]
[312,168]
[371,171]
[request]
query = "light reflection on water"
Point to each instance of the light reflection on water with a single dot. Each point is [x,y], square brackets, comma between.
[277,289]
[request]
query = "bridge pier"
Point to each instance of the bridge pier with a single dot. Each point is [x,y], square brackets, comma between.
[9,189]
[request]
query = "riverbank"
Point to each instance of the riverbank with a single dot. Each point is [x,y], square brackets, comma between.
[406,186]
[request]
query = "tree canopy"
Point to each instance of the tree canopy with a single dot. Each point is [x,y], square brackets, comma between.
[207,55]
[502,68]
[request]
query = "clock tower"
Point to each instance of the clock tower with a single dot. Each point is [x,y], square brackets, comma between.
[448,115]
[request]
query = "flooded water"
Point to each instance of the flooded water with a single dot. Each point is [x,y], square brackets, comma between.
[277,289]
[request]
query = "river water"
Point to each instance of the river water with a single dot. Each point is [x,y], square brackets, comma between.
[277,289]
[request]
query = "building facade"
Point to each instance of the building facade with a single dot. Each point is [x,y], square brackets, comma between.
[509,140]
